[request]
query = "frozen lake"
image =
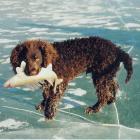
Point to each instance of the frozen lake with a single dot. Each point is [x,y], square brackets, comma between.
[54,20]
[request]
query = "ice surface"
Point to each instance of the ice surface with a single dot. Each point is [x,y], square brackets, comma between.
[11,124]
[116,20]
[77,92]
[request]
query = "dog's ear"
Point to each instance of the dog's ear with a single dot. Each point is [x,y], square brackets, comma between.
[17,56]
[49,54]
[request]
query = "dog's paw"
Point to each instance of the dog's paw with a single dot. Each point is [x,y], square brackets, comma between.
[39,107]
[49,116]
[111,100]
[50,113]
[91,110]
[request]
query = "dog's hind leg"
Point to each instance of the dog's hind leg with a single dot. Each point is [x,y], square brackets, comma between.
[113,88]
[106,89]
[102,92]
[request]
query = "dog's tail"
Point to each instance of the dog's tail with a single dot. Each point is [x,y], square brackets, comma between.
[127,61]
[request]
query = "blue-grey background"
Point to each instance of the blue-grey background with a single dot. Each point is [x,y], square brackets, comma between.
[54,20]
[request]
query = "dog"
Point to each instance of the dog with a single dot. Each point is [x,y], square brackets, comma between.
[70,58]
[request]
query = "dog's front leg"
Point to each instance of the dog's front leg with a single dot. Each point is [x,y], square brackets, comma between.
[52,101]
[46,87]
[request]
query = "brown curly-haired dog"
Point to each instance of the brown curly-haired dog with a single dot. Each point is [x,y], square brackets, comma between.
[94,55]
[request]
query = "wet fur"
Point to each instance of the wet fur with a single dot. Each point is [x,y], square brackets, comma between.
[94,55]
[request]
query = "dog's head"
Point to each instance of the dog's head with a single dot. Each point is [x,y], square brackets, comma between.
[35,53]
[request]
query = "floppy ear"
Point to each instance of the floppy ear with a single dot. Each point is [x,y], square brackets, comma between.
[17,55]
[49,53]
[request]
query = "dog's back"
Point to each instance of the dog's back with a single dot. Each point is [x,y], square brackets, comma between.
[93,55]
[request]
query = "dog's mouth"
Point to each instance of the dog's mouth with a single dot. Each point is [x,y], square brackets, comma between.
[32,72]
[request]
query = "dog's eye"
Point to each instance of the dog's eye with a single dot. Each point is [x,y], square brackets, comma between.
[35,58]
[25,59]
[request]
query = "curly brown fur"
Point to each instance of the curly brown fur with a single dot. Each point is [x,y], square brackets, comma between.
[70,58]
[36,53]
